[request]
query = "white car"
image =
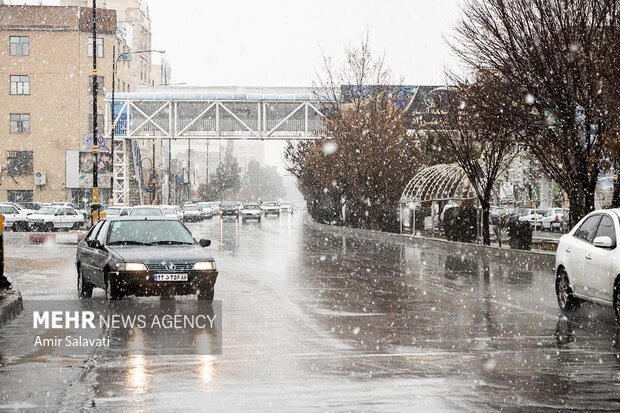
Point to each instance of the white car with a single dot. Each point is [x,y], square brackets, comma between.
[251,211]
[117,211]
[270,208]
[14,218]
[207,211]
[20,208]
[54,217]
[533,216]
[192,212]
[286,206]
[146,211]
[553,219]
[172,211]
[71,205]
[587,263]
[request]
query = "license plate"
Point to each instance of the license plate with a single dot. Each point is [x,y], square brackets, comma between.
[170,277]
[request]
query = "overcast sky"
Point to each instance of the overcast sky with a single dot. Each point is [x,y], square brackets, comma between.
[280,42]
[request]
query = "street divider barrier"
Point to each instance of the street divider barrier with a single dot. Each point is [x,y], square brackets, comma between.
[71,238]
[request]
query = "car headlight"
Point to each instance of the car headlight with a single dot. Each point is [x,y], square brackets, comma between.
[205,265]
[131,266]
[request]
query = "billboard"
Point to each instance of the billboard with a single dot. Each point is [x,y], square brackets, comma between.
[424,104]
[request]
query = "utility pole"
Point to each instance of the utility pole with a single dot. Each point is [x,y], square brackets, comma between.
[113,125]
[95,203]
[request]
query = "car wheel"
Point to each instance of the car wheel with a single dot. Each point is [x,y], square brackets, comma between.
[617,299]
[207,294]
[76,225]
[111,289]
[566,299]
[49,226]
[85,290]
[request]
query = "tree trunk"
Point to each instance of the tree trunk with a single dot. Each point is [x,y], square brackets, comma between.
[615,202]
[581,200]
[486,233]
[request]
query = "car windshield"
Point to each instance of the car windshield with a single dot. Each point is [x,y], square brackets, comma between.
[146,232]
[169,211]
[228,204]
[112,212]
[146,212]
[251,206]
[270,204]
[190,208]
[285,203]
[47,210]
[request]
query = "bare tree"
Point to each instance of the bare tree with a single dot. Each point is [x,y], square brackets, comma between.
[553,60]
[365,155]
[474,135]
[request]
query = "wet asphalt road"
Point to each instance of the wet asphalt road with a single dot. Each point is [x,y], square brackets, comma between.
[315,320]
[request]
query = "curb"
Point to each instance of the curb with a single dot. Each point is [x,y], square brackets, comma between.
[41,237]
[10,305]
[544,260]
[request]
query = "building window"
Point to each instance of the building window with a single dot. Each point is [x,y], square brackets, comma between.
[99,47]
[19,163]
[20,45]
[20,123]
[20,195]
[99,123]
[100,84]
[20,85]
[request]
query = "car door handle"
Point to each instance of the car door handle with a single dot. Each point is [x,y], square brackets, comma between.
[588,257]
[567,250]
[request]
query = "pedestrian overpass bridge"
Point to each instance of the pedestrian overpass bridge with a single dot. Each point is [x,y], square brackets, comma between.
[172,113]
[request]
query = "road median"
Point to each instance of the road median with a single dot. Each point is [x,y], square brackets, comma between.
[543,260]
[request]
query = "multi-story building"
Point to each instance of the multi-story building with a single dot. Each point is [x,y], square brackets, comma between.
[46,99]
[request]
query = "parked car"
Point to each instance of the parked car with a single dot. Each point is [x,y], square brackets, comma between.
[144,256]
[20,208]
[74,206]
[553,219]
[146,211]
[587,262]
[251,211]
[120,211]
[54,217]
[286,206]
[270,208]
[207,211]
[192,213]
[229,208]
[14,218]
[533,216]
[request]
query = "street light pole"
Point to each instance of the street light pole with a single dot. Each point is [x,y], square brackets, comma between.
[95,202]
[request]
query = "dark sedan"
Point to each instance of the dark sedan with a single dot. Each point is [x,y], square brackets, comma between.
[229,208]
[144,256]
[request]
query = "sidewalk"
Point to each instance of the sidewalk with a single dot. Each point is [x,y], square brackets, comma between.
[10,305]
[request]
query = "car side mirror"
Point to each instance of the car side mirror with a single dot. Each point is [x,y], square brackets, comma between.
[603,242]
[94,243]
[204,242]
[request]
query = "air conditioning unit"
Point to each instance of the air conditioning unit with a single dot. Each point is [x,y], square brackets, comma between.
[40,178]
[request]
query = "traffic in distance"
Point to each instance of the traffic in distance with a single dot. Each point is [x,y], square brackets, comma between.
[55,216]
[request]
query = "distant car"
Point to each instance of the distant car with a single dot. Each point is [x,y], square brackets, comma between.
[533,216]
[170,211]
[229,208]
[192,213]
[495,213]
[207,210]
[270,208]
[20,208]
[72,205]
[146,211]
[553,219]
[251,211]
[587,263]
[286,206]
[117,211]
[144,256]
[55,217]
[14,218]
